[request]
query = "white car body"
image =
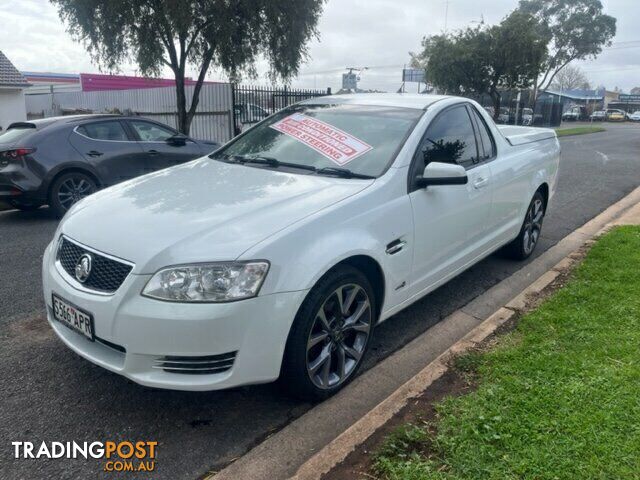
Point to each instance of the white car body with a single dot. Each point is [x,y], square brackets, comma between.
[635,116]
[303,225]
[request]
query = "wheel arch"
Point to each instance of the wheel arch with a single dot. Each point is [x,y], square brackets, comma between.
[544,190]
[372,270]
[70,169]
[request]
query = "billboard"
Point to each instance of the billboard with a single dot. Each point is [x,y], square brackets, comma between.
[415,75]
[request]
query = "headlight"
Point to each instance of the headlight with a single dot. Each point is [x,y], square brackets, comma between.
[210,282]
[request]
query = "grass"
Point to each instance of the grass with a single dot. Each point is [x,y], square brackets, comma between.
[565,132]
[557,398]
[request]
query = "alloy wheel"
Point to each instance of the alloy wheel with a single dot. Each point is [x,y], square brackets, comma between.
[339,336]
[533,225]
[74,189]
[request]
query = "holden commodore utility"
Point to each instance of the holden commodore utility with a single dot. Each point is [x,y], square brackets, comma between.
[279,254]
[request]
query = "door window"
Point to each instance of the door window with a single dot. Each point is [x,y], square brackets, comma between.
[487,145]
[113,131]
[449,139]
[150,132]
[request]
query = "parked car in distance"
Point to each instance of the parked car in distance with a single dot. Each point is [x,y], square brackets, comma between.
[504,116]
[60,160]
[616,115]
[635,116]
[574,114]
[278,255]
[598,116]
[247,114]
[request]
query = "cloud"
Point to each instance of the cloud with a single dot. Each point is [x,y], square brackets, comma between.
[353,33]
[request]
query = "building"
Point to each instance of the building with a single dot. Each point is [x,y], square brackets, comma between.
[48,82]
[590,99]
[628,103]
[12,85]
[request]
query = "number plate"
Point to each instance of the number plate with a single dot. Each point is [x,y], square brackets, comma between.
[73,317]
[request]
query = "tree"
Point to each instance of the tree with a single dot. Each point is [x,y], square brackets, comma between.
[570,78]
[485,60]
[230,34]
[577,29]
[635,91]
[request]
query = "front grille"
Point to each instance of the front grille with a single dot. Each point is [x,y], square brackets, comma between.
[106,274]
[197,365]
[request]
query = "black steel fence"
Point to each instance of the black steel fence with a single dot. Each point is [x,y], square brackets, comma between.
[517,109]
[251,104]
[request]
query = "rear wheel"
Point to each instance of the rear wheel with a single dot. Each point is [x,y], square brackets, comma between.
[525,243]
[68,189]
[330,335]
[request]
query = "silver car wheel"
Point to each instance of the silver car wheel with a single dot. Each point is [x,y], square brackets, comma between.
[338,336]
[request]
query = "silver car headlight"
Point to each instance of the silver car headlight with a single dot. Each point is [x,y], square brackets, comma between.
[208,282]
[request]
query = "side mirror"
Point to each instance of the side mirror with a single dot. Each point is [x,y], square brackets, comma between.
[437,173]
[177,140]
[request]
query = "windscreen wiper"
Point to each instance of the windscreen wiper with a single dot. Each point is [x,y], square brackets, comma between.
[342,172]
[271,162]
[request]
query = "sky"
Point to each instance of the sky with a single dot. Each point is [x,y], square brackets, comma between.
[378,34]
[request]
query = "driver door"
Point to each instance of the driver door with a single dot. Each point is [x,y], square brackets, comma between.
[160,154]
[450,221]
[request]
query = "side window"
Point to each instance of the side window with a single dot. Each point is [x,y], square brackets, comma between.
[488,147]
[150,132]
[450,139]
[104,131]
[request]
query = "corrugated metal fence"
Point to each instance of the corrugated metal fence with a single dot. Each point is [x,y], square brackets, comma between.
[213,119]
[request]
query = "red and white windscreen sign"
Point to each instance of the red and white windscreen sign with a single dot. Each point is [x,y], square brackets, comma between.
[333,143]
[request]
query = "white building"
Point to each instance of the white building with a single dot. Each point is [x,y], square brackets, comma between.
[12,85]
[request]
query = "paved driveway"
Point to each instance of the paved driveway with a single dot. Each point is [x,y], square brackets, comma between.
[49,393]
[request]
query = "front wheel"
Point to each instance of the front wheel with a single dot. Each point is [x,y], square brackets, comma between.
[525,243]
[68,189]
[330,335]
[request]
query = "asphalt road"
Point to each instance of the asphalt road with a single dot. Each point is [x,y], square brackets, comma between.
[48,393]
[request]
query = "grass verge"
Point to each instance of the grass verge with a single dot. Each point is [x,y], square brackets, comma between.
[557,398]
[565,132]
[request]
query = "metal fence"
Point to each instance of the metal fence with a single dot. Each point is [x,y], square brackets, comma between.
[213,119]
[251,103]
[223,110]
[516,109]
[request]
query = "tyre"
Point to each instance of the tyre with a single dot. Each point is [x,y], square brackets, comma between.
[525,243]
[68,189]
[25,206]
[330,335]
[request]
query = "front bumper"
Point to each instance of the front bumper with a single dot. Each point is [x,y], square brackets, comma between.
[135,333]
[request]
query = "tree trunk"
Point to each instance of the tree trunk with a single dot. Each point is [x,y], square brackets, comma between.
[497,101]
[184,122]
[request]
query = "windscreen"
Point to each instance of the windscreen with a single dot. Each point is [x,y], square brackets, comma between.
[363,139]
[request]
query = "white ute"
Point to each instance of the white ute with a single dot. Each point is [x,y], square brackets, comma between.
[277,255]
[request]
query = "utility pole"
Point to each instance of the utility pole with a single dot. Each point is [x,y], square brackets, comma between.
[446,15]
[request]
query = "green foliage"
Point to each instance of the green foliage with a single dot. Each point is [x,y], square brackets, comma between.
[559,403]
[566,132]
[483,59]
[577,29]
[229,34]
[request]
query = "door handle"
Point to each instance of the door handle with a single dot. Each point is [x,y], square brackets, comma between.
[153,152]
[480,182]
[395,246]
[94,153]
